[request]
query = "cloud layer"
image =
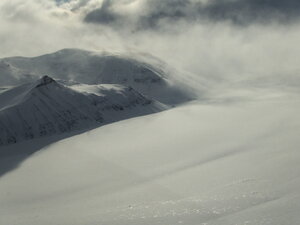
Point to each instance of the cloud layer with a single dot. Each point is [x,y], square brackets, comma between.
[142,14]
[237,43]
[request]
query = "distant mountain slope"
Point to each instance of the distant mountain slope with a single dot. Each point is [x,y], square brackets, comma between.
[94,68]
[47,107]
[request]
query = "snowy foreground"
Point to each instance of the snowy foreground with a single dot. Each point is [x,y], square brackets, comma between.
[198,164]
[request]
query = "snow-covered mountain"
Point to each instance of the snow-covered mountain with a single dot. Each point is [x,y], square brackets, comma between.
[191,165]
[47,107]
[95,68]
[90,89]
[233,159]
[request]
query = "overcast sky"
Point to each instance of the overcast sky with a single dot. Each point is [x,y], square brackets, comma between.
[254,42]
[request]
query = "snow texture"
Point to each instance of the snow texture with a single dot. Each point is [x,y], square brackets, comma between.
[195,164]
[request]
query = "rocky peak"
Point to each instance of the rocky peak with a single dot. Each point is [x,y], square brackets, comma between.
[45,80]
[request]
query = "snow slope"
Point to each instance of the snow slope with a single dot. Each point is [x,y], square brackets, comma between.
[96,68]
[232,158]
[46,107]
[198,164]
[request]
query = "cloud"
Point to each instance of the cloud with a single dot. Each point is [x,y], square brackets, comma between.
[138,15]
[151,14]
[247,11]
[211,47]
[103,14]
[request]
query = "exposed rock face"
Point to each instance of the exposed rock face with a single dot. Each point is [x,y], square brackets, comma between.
[47,107]
[44,81]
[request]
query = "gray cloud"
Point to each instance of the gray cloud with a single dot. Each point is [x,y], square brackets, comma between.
[246,11]
[152,14]
[170,10]
[148,15]
[104,14]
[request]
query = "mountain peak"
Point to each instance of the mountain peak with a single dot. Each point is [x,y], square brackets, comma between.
[45,80]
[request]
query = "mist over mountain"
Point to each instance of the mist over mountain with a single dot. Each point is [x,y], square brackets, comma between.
[149,112]
[86,67]
[83,90]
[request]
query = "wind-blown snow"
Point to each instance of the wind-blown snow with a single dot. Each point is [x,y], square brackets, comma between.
[230,157]
[97,68]
[196,164]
